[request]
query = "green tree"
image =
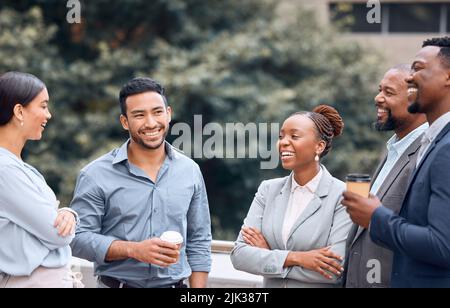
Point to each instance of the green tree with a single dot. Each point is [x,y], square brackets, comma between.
[230,61]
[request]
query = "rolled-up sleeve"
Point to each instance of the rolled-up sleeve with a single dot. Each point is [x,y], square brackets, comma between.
[22,203]
[198,246]
[89,203]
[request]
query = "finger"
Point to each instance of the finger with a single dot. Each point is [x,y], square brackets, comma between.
[248,240]
[161,263]
[249,235]
[256,231]
[331,267]
[61,227]
[166,259]
[350,196]
[168,245]
[328,253]
[67,229]
[58,220]
[170,253]
[250,232]
[323,273]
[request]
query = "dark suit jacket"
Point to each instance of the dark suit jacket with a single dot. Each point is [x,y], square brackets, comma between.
[420,235]
[361,250]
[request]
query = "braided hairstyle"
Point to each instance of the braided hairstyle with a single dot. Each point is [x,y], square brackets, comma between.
[328,123]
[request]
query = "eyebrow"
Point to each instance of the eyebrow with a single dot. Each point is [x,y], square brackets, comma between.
[390,88]
[417,61]
[143,111]
[45,101]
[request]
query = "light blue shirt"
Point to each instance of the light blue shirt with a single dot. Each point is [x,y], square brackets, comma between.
[396,148]
[116,200]
[28,210]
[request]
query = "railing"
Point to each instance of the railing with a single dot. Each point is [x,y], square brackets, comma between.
[222,275]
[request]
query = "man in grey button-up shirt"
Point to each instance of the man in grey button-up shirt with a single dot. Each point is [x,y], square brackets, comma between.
[130,196]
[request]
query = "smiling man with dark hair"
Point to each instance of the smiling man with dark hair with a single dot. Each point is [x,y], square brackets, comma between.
[390,178]
[129,197]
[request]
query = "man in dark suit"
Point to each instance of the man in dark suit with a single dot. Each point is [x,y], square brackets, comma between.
[420,234]
[367,264]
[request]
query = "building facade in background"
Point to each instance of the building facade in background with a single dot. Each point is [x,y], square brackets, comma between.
[404,23]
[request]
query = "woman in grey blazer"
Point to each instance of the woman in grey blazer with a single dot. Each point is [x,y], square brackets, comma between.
[295,231]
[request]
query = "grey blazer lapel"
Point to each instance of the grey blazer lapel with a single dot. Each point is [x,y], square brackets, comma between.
[402,162]
[281,204]
[393,175]
[316,202]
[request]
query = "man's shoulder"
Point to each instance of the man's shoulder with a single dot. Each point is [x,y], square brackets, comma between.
[103,162]
[180,157]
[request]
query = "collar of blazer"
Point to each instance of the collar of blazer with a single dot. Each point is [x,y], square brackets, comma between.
[439,137]
[398,167]
[282,201]
[322,190]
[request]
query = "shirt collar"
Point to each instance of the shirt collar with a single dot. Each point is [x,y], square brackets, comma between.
[399,146]
[122,152]
[311,185]
[437,127]
[11,155]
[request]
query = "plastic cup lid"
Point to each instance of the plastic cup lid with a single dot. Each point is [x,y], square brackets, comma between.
[172,237]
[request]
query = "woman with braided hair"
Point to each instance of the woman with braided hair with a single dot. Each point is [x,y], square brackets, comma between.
[295,231]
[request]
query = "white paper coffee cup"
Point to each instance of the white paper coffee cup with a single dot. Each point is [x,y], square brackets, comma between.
[172,237]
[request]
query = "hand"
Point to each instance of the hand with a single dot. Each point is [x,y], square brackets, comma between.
[359,208]
[65,223]
[254,237]
[157,252]
[322,261]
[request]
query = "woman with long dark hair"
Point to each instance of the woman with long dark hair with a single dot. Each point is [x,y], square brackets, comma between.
[34,234]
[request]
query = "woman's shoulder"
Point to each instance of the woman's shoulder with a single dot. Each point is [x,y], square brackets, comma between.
[275,183]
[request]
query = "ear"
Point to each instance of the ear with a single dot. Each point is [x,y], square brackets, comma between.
[18,112]
[320,147]
[447,82]
[124,122]
[169,113]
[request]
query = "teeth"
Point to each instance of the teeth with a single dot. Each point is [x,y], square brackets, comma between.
[412,90]
[382,111]
[151,134]
[287,154]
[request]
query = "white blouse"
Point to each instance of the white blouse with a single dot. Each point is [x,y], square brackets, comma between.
[300,197]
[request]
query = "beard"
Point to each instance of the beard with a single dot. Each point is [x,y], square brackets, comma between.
[154,145]
[415,108]
[389,125]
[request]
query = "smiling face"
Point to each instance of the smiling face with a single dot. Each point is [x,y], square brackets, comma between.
[147,119]
[392,101]
[35,116]
[298,144]
[427,82]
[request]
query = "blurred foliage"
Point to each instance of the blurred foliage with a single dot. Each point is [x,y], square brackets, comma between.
[231,61]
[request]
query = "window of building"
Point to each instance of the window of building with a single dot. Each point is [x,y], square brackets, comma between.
[352,17]
[409,17]
[423,17]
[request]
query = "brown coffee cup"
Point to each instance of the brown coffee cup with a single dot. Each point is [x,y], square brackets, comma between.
[359,184]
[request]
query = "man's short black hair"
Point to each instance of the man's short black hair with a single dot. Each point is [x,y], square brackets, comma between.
[137,86]
[444,44]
